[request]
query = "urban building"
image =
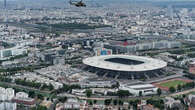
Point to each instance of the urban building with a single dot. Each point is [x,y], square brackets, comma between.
[140,89]
[129,47]
[97,83]
[22,98]
[6,94]
[14,51]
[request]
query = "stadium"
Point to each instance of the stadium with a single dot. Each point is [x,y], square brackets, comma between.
[124,66]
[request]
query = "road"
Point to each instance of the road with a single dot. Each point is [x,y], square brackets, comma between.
[183,92]
[24,87]
[132,97]
[165,78]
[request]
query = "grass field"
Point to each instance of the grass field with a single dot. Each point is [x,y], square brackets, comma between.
[172,83]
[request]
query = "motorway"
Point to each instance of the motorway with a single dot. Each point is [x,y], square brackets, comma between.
[24,87]
[94,98]
[143,97]
[183,92]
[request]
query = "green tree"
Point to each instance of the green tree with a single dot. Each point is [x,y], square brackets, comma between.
[123,93]
[62,99]
[140,93]
[31,94]
[88,93]
[115,102]
[159,103]
[40,96]
[39,107]
[90,102]
[179,87]
[159,92]
[50,87]
[95,101]
[107,101]
[120,102]
[172,89]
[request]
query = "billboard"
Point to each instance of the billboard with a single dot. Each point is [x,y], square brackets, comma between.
[103,51]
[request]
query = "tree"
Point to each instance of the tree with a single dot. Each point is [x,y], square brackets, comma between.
[159,103]
[40,96]
[172,89]
[115,102]
[39,107]
[134,103]
[50,87]
[159,92]
[31,94]
[179,87]
[107,101]
[123,93]
[120,102]
[95,101]
[90,102]
[88,93]
[140,93]
[62,99]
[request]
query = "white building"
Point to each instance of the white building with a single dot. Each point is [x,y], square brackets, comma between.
[8,106]
[10,93]
[145,89]
[80,92]
[21,95]
[120,47]
[2,94]
[98,83]
[71,104]
[14,51]
[6,94]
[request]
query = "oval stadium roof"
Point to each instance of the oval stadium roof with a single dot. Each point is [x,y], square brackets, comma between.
[147,65]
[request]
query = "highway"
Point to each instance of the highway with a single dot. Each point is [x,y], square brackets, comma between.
[183,92]
[132,97]
[24,87]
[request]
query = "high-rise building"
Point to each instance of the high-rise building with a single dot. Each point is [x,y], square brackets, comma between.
[5,3]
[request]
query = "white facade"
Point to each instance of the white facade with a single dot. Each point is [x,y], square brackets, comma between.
[143,46]
[8,106]
[57,85]
[2,94]
[10,93]
[146,89]
[17,50]
[21,95]
[6,94]
[97,84]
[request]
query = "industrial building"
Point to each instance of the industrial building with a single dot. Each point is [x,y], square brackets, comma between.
[14,51]
[145,89]
[98,83]
[22,98]
[128,47]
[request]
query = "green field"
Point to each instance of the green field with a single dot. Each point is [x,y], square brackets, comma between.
[173,83]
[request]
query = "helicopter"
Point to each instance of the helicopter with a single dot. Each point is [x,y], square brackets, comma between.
[77,4]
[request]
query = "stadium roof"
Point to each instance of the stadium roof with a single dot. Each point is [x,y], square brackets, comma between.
[147,65]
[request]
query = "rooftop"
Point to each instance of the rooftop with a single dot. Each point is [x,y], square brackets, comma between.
[146,65]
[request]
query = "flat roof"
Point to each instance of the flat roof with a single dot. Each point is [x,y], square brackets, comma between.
[140,87]
[143,86]
[147,65]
